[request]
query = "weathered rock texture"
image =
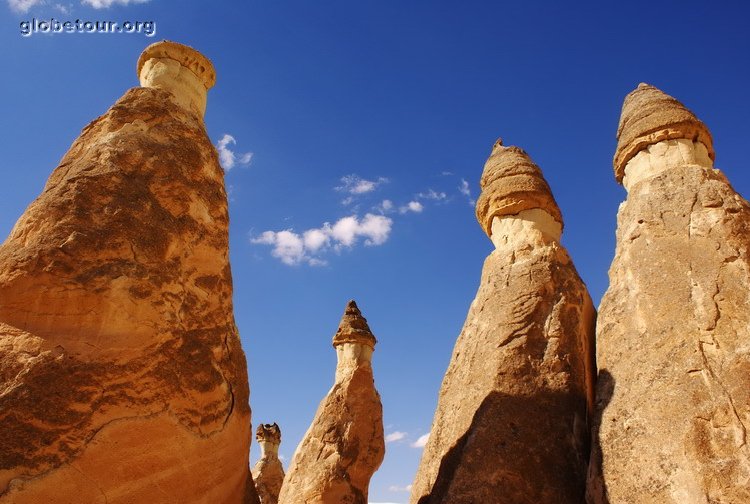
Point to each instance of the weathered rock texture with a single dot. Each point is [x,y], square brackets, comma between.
[511,422]
[122,379]
[673,347]
[344,445]
[268,473]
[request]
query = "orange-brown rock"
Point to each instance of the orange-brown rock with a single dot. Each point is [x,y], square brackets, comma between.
[673,335]
[268,473]
[345,445]
[511,422]
[122,378]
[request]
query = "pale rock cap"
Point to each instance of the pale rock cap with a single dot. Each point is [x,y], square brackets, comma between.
[269,439]
[268,433]
[512,184]
[353,328]
[650,116]
[179,69]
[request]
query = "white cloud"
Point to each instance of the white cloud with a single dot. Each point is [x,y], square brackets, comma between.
[345,230]
[23,6]
[227,157]
[375,228]
[396,488]
[431,194]
[466,191]
[421,442]
[105,4]
[354,186]
[315,239]
[289,248]
[412,206]
[395,436]
[292,248]
[385,206]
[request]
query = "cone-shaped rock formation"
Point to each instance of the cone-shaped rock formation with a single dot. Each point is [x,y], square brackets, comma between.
[122,378]
[673,335]
[268,473]
[344,446]
[511,421]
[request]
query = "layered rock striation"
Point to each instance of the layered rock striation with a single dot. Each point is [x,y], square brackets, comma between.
[673,335]
[345,445]
[511,422]
[268,473]
[122,378]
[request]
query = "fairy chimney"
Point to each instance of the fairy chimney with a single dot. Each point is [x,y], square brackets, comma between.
[122,378]
[673,330]
[345,445]
[268,472]
[511,421]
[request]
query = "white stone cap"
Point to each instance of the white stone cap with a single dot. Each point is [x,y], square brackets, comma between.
[665,155]
[350,356]
[182,54]
[529,227]
[179,69]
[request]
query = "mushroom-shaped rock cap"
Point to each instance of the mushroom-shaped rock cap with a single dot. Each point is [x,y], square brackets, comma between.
[511,183]
[268,432]
[353,328]
[650,116]
[184,55]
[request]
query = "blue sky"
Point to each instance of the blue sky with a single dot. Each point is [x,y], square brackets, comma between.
[357,132]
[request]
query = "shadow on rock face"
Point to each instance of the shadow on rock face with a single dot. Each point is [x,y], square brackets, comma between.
[518,450]
[596,487]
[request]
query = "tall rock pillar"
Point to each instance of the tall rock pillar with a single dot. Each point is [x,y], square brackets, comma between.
[511,422]
[345,445]
[122,378]
[673,335]
[268,473]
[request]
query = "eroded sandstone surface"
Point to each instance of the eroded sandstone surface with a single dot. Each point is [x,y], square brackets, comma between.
[673,335]
[268,473]
[344,445]
[511,423]
[122,379]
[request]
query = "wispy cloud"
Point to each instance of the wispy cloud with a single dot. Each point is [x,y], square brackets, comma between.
[106,4]
[432,194]
[293,248]
[466,191]
[23,6]
[395,436]
[353,185]
[396,488]
[412,206]
[385,206]
[421,441]
[229,158]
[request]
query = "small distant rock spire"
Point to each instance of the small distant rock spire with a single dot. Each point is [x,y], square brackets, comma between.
[512,182]
[345,443]
[268,472]
[353,328]
[650,116]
